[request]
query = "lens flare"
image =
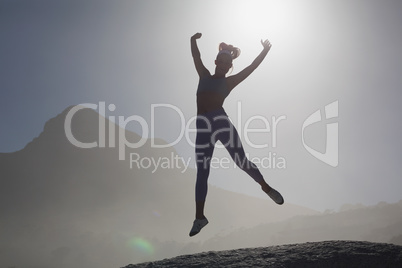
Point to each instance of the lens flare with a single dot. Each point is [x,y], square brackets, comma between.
[156,213]
[141,245]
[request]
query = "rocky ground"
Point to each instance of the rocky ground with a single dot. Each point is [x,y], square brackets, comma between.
[314,254]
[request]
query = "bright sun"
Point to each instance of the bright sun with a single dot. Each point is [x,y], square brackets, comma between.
[260,18]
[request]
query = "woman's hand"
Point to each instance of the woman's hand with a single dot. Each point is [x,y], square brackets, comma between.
[196,36]
[266,44]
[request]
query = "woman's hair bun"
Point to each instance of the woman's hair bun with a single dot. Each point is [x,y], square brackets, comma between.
[234,51]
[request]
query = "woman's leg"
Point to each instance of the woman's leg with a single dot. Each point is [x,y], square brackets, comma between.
[201,186]
[231,140]
[203,150]
[232,143]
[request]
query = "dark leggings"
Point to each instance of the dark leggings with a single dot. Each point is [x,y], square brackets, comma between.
[211,127]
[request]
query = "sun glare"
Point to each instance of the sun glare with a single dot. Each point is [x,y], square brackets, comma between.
[263,19]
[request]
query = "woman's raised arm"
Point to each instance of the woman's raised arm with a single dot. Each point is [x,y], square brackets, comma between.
[238,78]
[199,66]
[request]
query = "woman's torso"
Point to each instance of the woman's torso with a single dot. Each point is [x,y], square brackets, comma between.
[211,94]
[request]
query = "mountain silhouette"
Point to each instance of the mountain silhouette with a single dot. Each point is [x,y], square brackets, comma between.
[380,223]
[63,205]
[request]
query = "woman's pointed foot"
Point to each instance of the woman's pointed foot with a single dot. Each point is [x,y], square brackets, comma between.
[273,194]
[198,225]
[276,196]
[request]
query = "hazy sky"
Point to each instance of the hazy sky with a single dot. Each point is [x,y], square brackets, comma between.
[134,54]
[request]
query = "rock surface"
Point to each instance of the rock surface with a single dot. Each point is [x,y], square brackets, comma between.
[314,254]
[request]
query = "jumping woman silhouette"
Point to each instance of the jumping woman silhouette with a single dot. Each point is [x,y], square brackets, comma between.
[213,123]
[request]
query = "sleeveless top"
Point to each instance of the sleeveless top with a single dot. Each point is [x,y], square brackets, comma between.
[213,84]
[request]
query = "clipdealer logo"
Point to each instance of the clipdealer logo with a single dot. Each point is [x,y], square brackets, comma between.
[117,136]
[330,156]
